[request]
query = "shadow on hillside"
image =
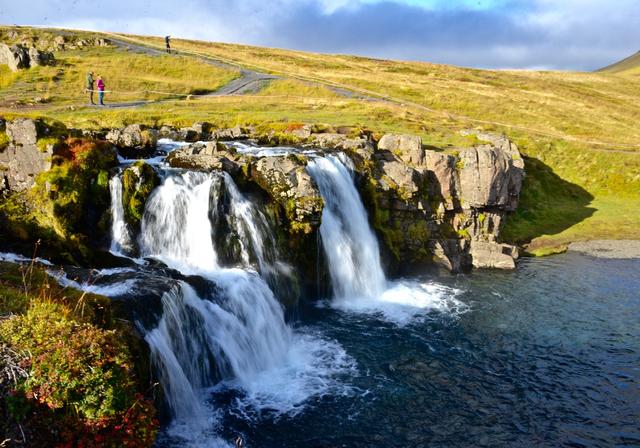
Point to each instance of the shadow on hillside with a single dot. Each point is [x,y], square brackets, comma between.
[548,205]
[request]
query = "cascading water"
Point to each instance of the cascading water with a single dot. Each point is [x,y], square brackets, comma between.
[353,256]
[232,331]
[351,247]
[121,242]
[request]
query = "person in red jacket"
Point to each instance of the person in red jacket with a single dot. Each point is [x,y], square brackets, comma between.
[100,90]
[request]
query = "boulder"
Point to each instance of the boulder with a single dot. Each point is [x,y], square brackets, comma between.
[37,57]
[492,255]
[286,180]
[490,176]
[168,132]
[22,160]
[442,177]
[15,56]
[407,147]
[187,135]
[134,136]
[328,140]
[234,133]
[203,129]
[59,42]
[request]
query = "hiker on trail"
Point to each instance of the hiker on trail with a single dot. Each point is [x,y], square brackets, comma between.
[167,41]
[89,86]
[100,90]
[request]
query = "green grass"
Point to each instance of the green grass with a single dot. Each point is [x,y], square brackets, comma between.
[129,75]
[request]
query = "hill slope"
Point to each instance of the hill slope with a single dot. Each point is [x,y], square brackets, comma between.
[625,66]
[579,130]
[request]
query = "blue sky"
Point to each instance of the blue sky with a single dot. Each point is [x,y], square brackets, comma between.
[551,34]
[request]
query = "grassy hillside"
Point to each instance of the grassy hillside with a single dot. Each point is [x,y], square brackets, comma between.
[628,66]
[578,130]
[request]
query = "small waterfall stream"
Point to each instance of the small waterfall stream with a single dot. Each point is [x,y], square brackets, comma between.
[121,242]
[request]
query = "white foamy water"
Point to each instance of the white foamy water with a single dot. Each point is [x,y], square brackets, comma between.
[115,289]
[17,258]
[353,256]
[234,333]
[259,151]
[121,242]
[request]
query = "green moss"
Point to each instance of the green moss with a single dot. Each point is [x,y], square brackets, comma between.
[138,181]
[464,234]
[49,143]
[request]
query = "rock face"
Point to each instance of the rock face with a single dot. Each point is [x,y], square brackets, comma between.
[491,177]
[21,161]
[407,147]
[286,180]
[18,57]
[138,181]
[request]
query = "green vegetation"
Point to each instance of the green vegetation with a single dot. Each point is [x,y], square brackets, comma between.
[76,383]
[578,130]
[4,140]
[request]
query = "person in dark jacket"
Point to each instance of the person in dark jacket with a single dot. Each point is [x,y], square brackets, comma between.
[89,86]
[167,40]
[100,90]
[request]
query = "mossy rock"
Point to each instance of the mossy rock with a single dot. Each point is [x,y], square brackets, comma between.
[138,181]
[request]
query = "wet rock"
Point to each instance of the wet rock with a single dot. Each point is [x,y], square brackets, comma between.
[138,181]
[450,253]
[492,255]
[407,147]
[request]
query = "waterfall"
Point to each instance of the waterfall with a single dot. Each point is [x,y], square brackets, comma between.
[232,330]
[352,254]
[121,242]
[350,245]
[176,228]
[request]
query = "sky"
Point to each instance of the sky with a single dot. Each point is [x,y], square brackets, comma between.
[513,34]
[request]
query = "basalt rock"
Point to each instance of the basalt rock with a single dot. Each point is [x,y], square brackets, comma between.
[138,181]
[492,255]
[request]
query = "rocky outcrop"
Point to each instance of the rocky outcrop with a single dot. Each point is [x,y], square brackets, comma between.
[286,180]
[134,140]
[492,255]
[22,160]
[18,57]
[138,181]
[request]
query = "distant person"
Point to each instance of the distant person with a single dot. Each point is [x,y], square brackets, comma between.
[167,40]
[89,86]
[100,90]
